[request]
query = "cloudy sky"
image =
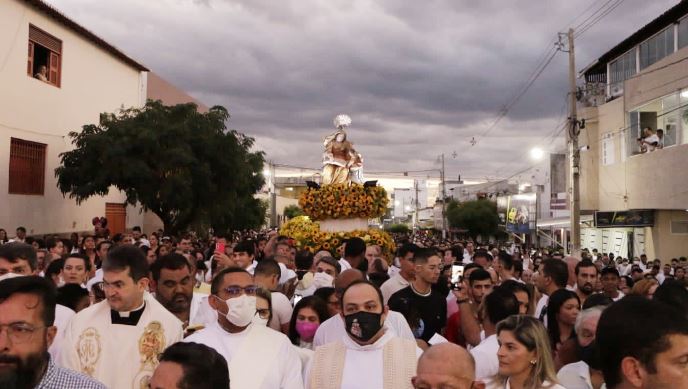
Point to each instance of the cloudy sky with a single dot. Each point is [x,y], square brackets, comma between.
[418,78]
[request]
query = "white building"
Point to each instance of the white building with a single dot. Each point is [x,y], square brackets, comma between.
[84,77]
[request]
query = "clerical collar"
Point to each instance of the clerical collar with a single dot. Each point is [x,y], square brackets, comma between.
[129,318]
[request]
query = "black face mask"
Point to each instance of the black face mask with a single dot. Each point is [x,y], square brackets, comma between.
[363,325]
[590,355]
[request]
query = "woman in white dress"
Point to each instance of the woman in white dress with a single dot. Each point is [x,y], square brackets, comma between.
[525,356]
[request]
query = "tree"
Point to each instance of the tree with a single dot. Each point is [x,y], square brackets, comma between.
[479,217]
[292,211]
[182,165]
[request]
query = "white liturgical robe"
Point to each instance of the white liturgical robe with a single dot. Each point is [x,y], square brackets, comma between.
[62,317]
[120,356]
[389,363]
[333,329]
[258,357]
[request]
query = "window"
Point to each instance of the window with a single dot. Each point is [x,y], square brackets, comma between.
[663,113]
[683,33]
[679,227]
[607,151]
[622,68]
[45,56]
[657,47]
[27,167]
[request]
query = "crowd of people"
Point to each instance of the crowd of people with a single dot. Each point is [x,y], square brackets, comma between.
[250,310]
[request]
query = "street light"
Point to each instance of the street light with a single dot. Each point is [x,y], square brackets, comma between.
[537,153]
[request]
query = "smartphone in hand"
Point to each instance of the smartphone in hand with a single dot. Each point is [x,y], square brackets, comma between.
[220,247]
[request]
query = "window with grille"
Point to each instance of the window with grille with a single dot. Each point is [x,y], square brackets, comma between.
[679,227]
[27,167]
[45,56]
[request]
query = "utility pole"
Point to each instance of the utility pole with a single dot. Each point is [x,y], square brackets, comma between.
[574,154]
[416,203]
[273,195]
[444,203]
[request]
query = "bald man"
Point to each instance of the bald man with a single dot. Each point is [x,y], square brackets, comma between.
[446,365]
[333,328]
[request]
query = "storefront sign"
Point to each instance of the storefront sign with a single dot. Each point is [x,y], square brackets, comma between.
[638,218]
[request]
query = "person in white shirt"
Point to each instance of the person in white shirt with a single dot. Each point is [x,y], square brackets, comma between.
[369,356]
[584,374]
[446,365]
[354,255]
[554,275]
[326,271]
[586,278]
[499,305]
[468,253]
[624,267]
[524,355]
[609,277]
[401,279]
[244,255]
[258,357]
[650,140]
[128,330]
[333,329]
[173,285]
[20,237]
[266,275]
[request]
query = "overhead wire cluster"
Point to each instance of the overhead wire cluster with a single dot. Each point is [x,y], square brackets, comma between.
[595,13]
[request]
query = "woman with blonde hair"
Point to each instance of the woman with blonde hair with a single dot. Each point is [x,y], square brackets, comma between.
[525,355]
[645,287]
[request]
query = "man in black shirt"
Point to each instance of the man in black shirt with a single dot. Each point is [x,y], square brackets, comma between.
[424,308]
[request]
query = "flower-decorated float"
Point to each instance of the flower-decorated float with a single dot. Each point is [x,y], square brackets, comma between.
[340,207]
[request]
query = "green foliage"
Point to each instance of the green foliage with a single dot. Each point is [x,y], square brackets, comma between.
[182,165]
[292,211]
[479,217]
[398,228]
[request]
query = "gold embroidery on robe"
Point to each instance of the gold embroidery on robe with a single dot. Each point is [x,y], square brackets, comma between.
[151,344]
[88,348]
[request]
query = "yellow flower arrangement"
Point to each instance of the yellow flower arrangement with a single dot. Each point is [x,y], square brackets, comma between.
[342,201]
[308,236]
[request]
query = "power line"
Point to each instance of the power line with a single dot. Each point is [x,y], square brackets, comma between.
[592,15]
[588,8]
[522,91]
[611,8]
[549,55]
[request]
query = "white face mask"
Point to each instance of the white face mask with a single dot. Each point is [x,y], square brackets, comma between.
[322,280]
[259,320]
[240,310]
[61,282]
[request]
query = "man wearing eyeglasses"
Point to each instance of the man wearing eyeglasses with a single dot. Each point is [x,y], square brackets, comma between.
[258,357]
[117,341]
[27,315]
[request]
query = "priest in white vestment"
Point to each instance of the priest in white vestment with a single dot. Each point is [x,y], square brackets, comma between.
[369,356]
[258,357]
[118,340]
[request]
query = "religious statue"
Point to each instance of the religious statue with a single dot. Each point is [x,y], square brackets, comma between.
[342,164]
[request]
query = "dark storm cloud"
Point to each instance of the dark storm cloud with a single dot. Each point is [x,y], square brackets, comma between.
[419,78]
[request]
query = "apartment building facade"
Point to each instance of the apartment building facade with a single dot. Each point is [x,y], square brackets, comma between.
[639,196]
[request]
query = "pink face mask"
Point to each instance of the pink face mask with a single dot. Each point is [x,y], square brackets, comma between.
[306,330]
